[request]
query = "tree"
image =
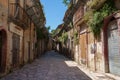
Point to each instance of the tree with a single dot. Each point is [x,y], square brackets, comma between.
[53,32]
[66,2]
[48,28]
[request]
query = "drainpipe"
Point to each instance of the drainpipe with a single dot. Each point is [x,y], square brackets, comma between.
[23,47]
[30,42]
[95,49]
[87,47]
[8,15]
[79,48]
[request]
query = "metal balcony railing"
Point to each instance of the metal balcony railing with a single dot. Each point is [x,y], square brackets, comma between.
[18,15]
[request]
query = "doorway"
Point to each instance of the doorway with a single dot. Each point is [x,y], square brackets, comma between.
[15,50]
[113,48]
[3,51]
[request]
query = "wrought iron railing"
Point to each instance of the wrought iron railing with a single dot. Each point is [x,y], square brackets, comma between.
[18,15]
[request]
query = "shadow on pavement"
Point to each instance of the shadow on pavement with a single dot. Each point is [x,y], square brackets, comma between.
[51,66]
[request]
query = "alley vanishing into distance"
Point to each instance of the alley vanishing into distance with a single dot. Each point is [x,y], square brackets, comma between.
[60,40]
[51,66]
[54,66]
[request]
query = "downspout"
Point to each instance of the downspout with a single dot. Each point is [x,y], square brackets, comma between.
[87,47]
[8,15]
[23,40]
[79,47]
[23,47]
[30,42]
[95,54]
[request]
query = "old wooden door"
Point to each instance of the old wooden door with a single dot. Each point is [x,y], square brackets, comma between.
[16,50]
[83,48]
[113,48]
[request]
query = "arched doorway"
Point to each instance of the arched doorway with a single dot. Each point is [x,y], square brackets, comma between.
[3,51]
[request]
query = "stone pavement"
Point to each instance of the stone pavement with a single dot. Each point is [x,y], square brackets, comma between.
[52,66]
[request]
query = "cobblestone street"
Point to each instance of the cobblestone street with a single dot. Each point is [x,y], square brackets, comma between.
[51,66]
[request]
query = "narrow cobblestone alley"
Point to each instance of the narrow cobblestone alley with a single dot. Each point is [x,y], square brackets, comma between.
[51,66]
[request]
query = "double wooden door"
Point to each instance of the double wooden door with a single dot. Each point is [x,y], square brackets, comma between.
[83,48]
[15,50]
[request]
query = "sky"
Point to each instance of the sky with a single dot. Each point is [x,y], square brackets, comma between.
[54,12]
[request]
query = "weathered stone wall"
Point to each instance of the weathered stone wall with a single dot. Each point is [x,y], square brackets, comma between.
[49,46]
[14,29]
[32,41]
[4,26]
[26,45]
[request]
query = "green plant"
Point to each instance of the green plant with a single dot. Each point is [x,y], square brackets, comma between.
[63,38]
[48,28]
[95,19]
[95,3]
[66,2]
[76,40]
[71,24]
[95,24]
[88,15]
[40,34]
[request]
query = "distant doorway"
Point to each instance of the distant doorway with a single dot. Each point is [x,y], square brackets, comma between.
[3,51]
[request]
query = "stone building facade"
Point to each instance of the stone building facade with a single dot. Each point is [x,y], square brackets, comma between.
[18,33]
[101,55]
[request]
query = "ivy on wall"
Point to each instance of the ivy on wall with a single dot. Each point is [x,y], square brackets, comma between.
[63,38]
[40,34]
[96,17]
[94,4]
[76,40]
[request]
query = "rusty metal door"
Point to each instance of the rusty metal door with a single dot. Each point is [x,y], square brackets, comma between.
[15,50]
[113,48]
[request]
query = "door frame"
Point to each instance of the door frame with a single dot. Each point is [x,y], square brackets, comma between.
[107,20]
[83,32]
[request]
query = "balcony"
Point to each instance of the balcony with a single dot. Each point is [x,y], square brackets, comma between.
[18,15]
[36,14]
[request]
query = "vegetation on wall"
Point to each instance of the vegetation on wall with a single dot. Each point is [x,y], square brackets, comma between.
[40,33]
[54,32]
[76,40]
[63,38]
[95,17]
[94,4]
[48,28]
[71,24]
[66,2]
